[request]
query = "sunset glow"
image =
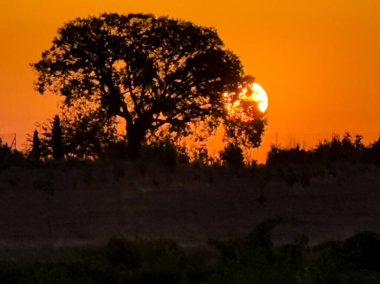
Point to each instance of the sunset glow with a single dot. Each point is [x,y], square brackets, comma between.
[304,55]
[245,105]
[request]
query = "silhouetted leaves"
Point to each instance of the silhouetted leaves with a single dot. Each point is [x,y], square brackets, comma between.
[10,157]
[148,71]
[346,149]
[80,135]
[36,147]
[57,143]
[232,155]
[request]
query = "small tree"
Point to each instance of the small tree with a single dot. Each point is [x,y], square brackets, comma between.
[57,143]
[36,147]
[87,134]
[84,135]
[232,155]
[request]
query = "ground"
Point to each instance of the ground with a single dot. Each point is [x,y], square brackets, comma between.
[64,205]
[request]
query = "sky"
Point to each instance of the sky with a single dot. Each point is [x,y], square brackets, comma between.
[319,61]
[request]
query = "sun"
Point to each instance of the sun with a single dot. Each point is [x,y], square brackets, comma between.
[260,96]
[247,105]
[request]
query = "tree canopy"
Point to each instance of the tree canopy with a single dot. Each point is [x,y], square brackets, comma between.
[146,70]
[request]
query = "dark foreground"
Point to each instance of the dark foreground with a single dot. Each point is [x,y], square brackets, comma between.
[68,205]
[57,218]
[251,259]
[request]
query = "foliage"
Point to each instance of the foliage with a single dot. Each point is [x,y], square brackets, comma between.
[83,135]
[245,127]
[232,155]
[148,71]
[87,134]
[252,259]
[36,147]
[294,155]
[56,142]
[345,149]
[9,157]
[164,152]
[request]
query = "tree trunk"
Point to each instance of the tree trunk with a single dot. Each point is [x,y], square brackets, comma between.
[135,136]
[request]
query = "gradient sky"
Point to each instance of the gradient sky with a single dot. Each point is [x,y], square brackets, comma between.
[319,61]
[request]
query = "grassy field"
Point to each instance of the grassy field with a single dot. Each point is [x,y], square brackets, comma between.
[145,221]
[61,205]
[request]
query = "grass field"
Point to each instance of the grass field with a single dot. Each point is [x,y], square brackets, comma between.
[62,205]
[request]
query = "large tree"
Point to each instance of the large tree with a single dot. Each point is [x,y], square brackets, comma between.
[149,71]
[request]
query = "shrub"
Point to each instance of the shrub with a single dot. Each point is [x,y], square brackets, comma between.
[9,157]
[232,155]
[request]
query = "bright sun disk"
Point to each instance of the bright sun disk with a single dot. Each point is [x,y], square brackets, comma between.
[241,108]
[260,96]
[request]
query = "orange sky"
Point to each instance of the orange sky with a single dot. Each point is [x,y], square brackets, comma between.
[319,61]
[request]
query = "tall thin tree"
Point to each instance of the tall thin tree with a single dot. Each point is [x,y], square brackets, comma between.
[36,147]
[57,144]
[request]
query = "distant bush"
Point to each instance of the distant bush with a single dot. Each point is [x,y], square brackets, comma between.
[345,149]
[164,152]
[116,151]
[232,156]
[9,157]
[296,155]
[355,260]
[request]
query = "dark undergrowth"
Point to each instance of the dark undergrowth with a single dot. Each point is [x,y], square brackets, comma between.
[252,259]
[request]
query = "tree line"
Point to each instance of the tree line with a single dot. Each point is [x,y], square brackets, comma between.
[338,149]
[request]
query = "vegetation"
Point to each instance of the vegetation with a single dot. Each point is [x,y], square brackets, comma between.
[148,71]
[36,147]
[346,149]
[298,166]
[164,77]
[253,259]
[232,156]
[9,157]
[81,135]
[56,141]
[250,259]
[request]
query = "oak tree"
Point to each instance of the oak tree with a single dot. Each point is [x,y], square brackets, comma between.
[147,70]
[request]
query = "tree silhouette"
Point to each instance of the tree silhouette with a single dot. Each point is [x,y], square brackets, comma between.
[57,143]
[36,147]
[87,133]
[248,127]
[232,155]
[84,134]
[149,71]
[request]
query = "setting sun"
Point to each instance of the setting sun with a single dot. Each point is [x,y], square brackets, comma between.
[260,96]
[246,106]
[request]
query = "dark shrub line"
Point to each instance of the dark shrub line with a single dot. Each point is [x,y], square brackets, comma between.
[251,259]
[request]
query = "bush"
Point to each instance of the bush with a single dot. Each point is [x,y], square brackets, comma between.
[9,157]
[336,150]
[232,156]
[251,259]
[163,152]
